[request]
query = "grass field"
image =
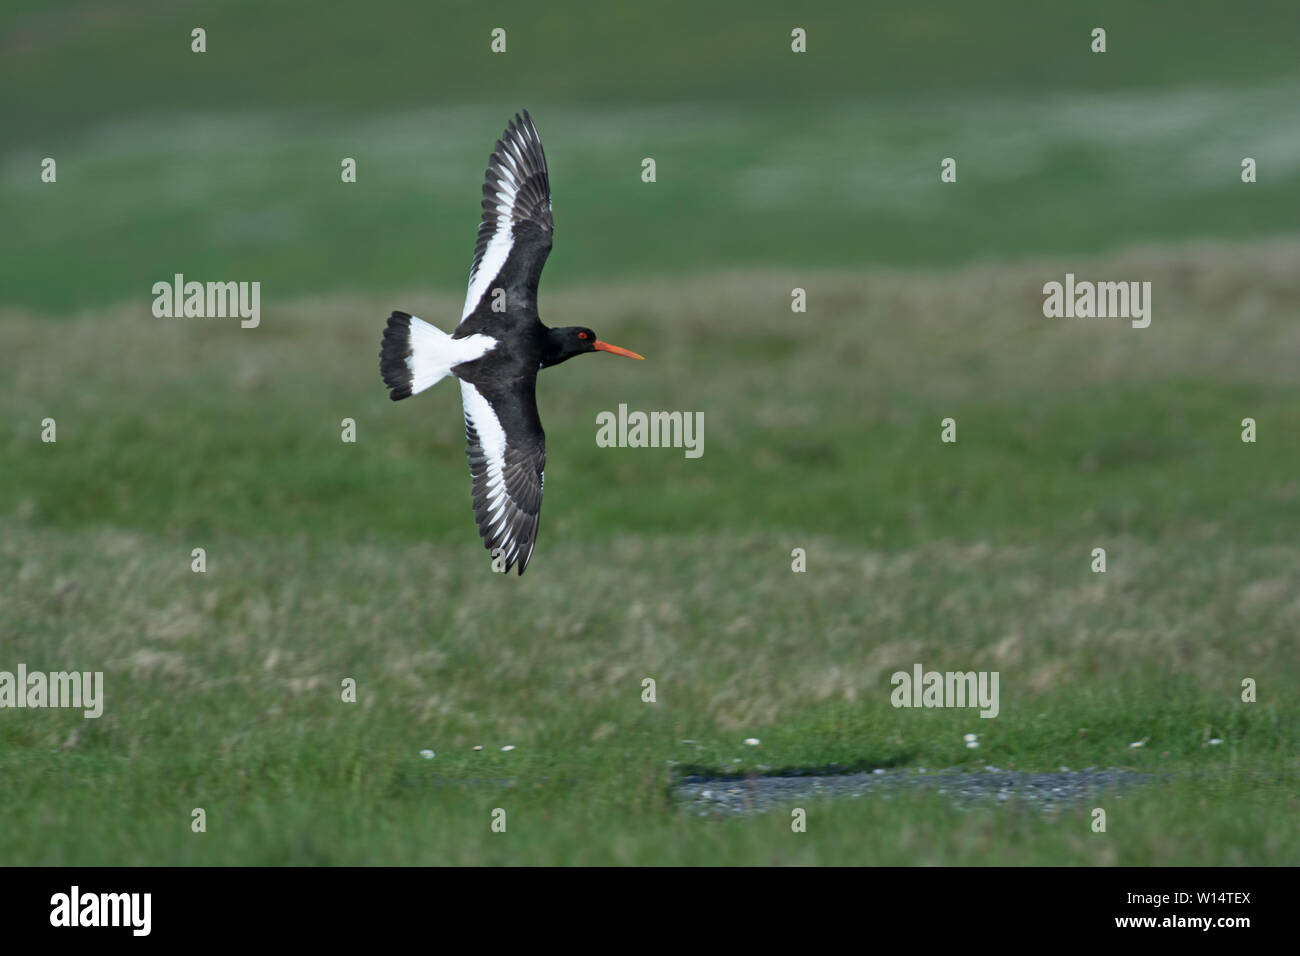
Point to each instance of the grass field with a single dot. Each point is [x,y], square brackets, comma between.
[227,163]
[329,560]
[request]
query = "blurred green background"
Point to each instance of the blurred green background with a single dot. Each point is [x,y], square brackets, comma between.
[227,162]
[774,171]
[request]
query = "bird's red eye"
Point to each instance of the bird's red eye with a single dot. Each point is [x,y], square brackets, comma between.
[582,335]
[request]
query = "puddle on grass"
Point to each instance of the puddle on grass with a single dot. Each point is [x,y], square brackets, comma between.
[1047,791]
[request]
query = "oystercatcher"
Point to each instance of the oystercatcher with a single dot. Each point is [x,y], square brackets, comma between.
[498,348]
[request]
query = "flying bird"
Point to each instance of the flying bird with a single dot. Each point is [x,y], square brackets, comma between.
[498,348]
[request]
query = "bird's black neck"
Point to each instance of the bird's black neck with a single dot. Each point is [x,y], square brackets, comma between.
[560,347]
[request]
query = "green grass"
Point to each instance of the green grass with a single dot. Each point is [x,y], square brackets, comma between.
[226,164]
[329,560]
[397,54]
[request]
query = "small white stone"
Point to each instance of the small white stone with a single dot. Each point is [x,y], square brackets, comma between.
[751,741]
[972,744]
[1138,743]
[427,754]
[508,747]
[478,746]
[970,738]
[877,770]
[1215,741]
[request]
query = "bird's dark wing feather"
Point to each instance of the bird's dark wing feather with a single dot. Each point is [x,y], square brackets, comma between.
[506,465]
[514,237]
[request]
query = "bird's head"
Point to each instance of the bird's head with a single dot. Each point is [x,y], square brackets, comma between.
[564,344]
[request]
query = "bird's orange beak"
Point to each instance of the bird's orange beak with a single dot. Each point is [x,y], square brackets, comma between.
[600,346]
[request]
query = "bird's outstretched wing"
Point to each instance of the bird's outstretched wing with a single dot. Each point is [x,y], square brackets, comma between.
[507,466]
[514,237]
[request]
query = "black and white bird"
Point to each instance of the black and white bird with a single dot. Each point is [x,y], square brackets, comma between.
[498,348]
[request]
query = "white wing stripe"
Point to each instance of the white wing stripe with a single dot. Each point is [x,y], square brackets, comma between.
[492,440]
[509,181]
[494,257]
